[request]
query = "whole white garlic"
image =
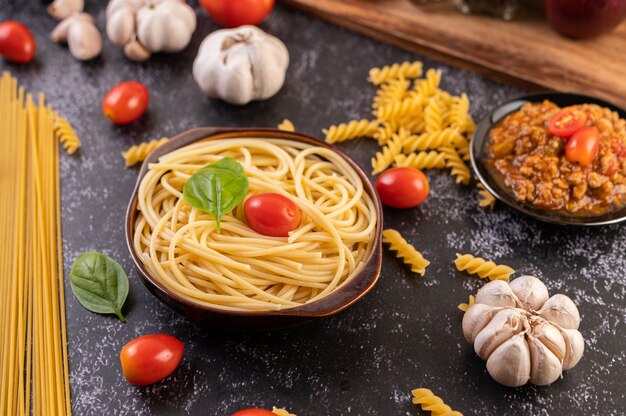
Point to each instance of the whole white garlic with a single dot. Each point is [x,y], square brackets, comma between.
[143,27]
[61,9]
[524,335]
[80,34]
[240,65]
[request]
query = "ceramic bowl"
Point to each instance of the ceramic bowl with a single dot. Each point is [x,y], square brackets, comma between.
[493,181]
[343,297]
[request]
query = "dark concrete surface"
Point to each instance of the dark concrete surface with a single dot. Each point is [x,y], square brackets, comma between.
[406,333]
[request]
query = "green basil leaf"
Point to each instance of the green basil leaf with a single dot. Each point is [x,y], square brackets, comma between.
[217,188]
[99,283]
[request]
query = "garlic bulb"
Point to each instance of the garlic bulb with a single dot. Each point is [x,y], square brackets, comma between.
[524,335]
[240,65]
[61,9]
[142,27]
[80,34]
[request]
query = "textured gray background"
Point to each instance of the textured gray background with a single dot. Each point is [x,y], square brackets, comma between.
[406,333]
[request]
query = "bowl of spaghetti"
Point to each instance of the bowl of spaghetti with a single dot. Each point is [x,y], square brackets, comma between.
[229,276]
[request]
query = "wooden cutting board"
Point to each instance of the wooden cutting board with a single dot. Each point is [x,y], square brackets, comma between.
[524,50]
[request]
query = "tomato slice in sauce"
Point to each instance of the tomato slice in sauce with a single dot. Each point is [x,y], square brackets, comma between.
[566,122]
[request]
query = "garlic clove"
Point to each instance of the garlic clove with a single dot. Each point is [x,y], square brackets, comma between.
[561,310]
[530,291]
[550,336]
[83,38]
[497,293]
[120,26]
[136,52]
[503,325]
[476,318]
[509,364]
[545,367]
[60,32]
[62,9]
[575,346]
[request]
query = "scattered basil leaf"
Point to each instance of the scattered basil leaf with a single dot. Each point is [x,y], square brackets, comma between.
[99,283]
[217,188]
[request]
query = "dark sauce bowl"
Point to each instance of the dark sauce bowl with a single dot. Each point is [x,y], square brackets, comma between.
[341,298]
[493,180]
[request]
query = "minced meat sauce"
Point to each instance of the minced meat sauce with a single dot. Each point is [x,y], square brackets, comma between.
[534,166]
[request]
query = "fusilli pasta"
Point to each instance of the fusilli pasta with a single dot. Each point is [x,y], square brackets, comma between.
[347,131]
[391,92]
[444,138]
[406,69]
[65,134]
[483,268]
[465,306]
[433,116]
[408,107]
[385,132]
[422,160]
[428,86]
[281,412]
[286,125]
[139,152]
[485,198]
[458,168]
[459,112]
[405,251]
[385,158]
[431,403]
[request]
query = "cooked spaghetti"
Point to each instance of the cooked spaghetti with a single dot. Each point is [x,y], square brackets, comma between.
[238,269]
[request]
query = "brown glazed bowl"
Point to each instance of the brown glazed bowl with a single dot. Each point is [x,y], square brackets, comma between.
[347,294]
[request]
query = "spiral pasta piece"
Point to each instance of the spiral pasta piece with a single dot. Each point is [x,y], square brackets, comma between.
[465,306]
[390,92]
[385,158]
[409,106]
[281,412]
[405,69]
[286,125]
[348,131]
[139,152]
[485,198]
[428,86]
[458,168]
[385,132]
[414,124]
[483,268]
[65,134]
[431,403]
[405,251]
[459,112]
[433,117]
[422,160]
[444,138]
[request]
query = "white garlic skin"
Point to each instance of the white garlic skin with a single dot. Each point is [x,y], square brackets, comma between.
[530,291]
[545,367]
[61,9]
[550,336]
[509,364]
[503,326]
[80,34]
[497,293]
[560,309]
[240,65]
[575,347]
[476,318]
[136,52]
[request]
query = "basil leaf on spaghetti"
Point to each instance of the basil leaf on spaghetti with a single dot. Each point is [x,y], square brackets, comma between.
[217,188]
[99,283]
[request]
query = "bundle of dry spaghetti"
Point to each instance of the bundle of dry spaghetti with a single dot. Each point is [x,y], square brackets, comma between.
[33,363]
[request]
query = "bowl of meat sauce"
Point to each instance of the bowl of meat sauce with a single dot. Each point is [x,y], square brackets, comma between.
[557,157]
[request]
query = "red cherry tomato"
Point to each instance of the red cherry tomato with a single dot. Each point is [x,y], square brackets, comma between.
[566,122]
[233,13]
[402,187]
[125,102]
[17,43]
[150,358]
[254,412]
[583,146]
[272,214]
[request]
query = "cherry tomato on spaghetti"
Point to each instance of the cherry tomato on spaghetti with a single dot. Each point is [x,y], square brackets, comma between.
[233,13]
[583,146]
[402,187]
[566,122]
[125,102]
[17,43]
[272,214]
[254,412]
[150,358]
